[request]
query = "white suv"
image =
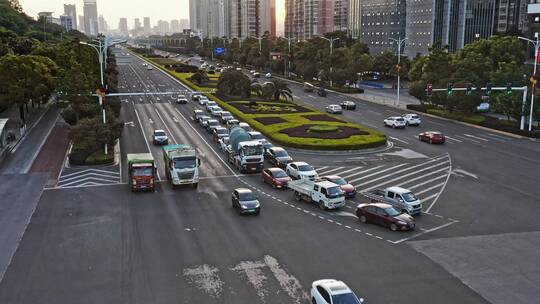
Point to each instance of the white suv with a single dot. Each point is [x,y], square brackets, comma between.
[412,119]
[301,170]
[333,292]
[334,109]
[395,122]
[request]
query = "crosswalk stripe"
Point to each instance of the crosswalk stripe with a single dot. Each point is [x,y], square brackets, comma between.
[321,168]
[103,181]
[403,170]
[476,137]
[426,182]
[371,169]
[430,188]
[62,179]
[343,172]
[328,171]
[469,139]
[398,178]
[90,170]
[379,172]
[451,138]
[429,197]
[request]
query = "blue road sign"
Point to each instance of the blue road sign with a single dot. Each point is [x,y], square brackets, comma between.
[219,50]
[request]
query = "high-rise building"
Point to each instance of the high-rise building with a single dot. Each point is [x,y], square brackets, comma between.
[381,20]
[162,27]
[46,15]
[196,15]
[355,18]
[184,24]
[252,18]
[102,23]
[123,27]
[305,19]
[341,15]
[91,27]
[137,23]
[147,26]
[512,16]
[175,26]
[67,22]
[71,10]
[80,24]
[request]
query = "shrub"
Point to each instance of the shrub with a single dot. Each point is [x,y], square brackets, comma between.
[323,129]
[469,118]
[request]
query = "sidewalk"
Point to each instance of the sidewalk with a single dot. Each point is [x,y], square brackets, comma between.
[27,147]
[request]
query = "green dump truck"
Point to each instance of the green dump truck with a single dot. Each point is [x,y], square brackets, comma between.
[141,171]
[181,165]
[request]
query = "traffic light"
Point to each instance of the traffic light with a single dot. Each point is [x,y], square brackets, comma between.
[450,90]
[488,89]
[509,89]
[469,89]
[429,90]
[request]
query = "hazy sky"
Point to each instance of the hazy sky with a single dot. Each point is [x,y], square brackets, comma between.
[113,10]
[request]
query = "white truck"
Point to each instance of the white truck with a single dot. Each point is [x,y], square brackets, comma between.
[401,199]
[243,152]
[181,165]
[326,194]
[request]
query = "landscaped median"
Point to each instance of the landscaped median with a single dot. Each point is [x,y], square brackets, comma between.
[289,124]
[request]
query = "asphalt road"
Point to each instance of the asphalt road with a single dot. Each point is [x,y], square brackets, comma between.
[107,245]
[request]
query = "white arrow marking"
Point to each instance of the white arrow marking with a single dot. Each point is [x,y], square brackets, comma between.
[461,171]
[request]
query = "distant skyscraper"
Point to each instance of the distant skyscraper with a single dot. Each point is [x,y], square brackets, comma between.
[184,24]
[355,18]
[381,20]
[163,27]
[175,26]
[102,23]
[71,10]
[305,19]
[341,15]
[252,18]
[147,26]
[80,24]
[137,23]
[67,22]
[91,27]
[123,27]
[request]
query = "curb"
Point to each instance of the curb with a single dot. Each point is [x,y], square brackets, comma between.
[389,145]
[28,130]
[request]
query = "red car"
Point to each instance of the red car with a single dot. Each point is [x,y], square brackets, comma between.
[348,189]
[275,177]
[432,137]
[385,215]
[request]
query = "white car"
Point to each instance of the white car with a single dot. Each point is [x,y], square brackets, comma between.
[333,292]
[256,135]
[412,119]
[301,170]
[334,109]
[268,75]
[210,104]
[223,143]
[215,111]
[245,126]
[203,100]
[159,137]
[395,122]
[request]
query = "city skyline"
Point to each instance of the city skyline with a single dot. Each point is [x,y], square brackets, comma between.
[112,11]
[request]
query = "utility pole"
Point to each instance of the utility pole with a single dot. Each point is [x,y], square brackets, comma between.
[289,61]
[536,45]
[399,41]
[331,40]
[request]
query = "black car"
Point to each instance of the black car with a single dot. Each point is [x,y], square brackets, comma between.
[245,201]
[348,105]
[322,92]
[278,157]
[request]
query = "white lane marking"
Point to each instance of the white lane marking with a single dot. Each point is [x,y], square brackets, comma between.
[423,232]
[475,137]
[289,283]
[378,172]
[469,139]
[347,171]
[426,182]
[98,175]
[425,199]
[144,135]
[400,140]
[206,278]
[429,189]
[88,179]
[254,274]
[499,137]
[354,174]
[321,168]
[90,170]
[402,170]
[374,112]
[442,190]
[399,177]
[451,138]
[328,171]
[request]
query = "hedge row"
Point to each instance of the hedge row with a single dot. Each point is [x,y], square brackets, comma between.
[477,119]
[373,140]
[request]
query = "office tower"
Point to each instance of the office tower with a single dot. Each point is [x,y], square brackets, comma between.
[512,16]
[102,23]
[252,18]
[147,26]
[381,20]
[175,26]
[162,27]
[123,27]
[305,19]
[71,10]
[355,18]
[137,23]
[67,22]
[91,27]
[196,15]
[341,15]
[80,24]
[184,24]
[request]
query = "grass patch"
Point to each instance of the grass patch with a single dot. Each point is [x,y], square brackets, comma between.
[368,138]
[470,118]
[323,129]
[99,158]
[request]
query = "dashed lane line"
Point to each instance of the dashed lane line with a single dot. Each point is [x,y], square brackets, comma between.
[468,139]
[475,137]
[451,138]
[423,232]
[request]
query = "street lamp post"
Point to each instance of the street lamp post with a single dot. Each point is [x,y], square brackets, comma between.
[536,44]
[289,61]
[399,41]
[331,40]
[260,44]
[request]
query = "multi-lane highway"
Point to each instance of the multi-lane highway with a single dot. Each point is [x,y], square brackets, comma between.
[104,244]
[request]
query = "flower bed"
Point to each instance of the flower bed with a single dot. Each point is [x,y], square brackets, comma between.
[269,108]
[269,120]
[322,117]
[332,132]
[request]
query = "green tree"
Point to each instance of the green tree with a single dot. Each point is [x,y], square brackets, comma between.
[278,88]
[234,83]
[199,77]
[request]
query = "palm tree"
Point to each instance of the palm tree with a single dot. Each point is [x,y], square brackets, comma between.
[279,88]
[200,77]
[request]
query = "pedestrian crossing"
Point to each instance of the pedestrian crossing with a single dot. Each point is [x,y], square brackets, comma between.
[426,179]
[460,139]
[78,177]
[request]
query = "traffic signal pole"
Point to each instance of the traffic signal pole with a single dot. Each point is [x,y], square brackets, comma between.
[524,100]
